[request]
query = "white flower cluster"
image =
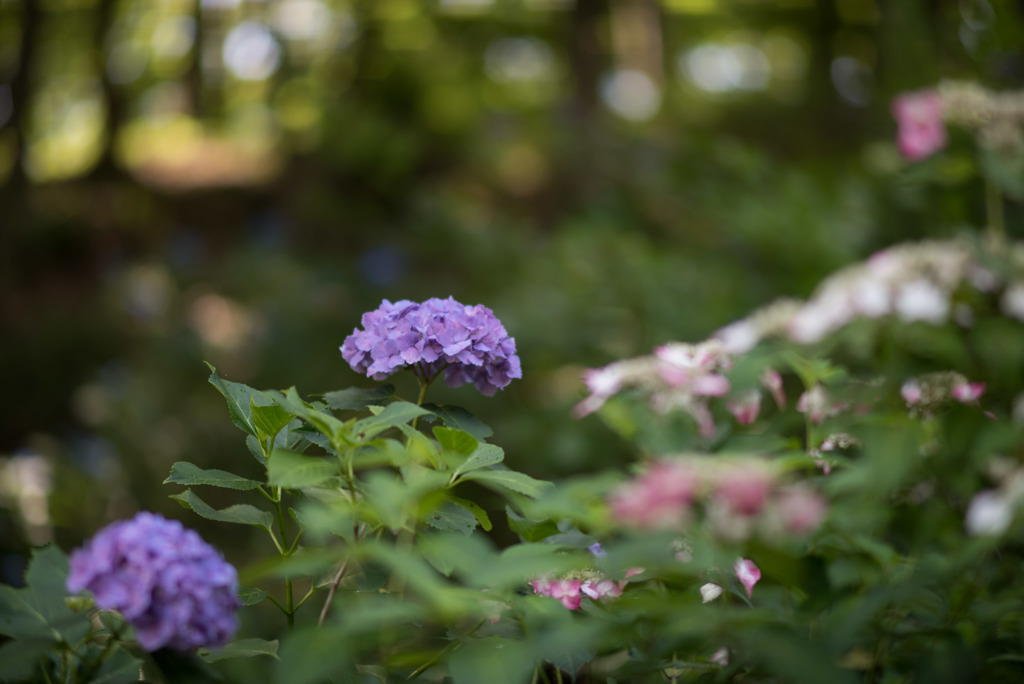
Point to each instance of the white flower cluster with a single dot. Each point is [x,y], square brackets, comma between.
[914,282]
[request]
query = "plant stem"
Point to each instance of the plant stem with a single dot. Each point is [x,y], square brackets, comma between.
[330,593]
[286,550]
[994,210]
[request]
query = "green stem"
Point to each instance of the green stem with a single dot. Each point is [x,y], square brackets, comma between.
[289,598]
[994,210]
[452,645]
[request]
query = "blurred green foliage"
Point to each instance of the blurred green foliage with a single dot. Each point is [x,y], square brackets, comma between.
[236,182]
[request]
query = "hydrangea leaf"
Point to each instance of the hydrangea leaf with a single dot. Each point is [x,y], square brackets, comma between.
[242,514]
[121,667]
[189,474]
[394,414]
[357,398]
[289,469]
[39,611]
[250,596]
[461,419]
[243,648]
[312,655]
[521,483]
[529,529]
[493,660]
[450,517]
[335,430]
[456,442]
[268,420]
[239,397]
[18,658]
[486,455]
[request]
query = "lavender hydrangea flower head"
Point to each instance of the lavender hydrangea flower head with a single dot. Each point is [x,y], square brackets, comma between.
[468,343]
[176,590]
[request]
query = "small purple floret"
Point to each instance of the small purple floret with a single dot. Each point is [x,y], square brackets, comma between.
[468,342]
[176,590]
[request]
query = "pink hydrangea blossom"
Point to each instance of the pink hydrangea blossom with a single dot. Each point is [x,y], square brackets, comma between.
[746,407]
[920,131]
[748,574]
[771,380]
[801,511]
[744,491]
[967,392]
[657,499]
[567,591]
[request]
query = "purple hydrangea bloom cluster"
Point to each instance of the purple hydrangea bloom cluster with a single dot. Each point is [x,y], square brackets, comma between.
[176,590]
[467,342]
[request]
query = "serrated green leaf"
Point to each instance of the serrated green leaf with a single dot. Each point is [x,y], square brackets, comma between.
[253,445]
[452,517]
[243,648]
[394,414]
[268,420]
[250,596]
[357,399]
[461,419]
[479,513]
[293,471]
[189,474]
[455,442]
[313,655]
[337,431]
[177,667]
[239,397]
[527,528]
[242,514]
[486,455]
[521,483]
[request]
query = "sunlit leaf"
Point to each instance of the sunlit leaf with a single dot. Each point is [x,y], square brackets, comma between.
[521,483]
[461,419]
[242,648]
[291,470]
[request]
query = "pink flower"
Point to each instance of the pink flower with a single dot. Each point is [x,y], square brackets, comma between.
[747,573]
[772,381]
[801,511]
[817,405]
[911,392]
[744,491]
[721,657]
[920,131]
[567,591]
[967,392]
[598,589]
[746,407]
[659,498]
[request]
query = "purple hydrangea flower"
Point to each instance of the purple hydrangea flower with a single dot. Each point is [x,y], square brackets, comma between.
[467,342]
[176,590]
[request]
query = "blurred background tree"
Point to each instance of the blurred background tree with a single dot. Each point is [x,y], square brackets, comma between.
[238,180]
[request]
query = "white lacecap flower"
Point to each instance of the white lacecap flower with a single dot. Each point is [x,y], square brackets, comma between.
[989,514]
[1013,301]
[922,300]
[709,592]
[739,337]
[871,298]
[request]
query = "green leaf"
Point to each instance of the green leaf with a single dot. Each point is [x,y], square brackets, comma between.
[188,474]
[250,596]
[243,648]
[335,430]
[313,655]
[177,667]
[293,471]
[461,419]
[394,414]
[486,455]
[479,513]
[451,516]
[121,667]
[19,658]
[239,397]
[242,514]
[527,528]
[456,442]
[493,660]
[39,611]
[520,483]
[268,420]
[357,399]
